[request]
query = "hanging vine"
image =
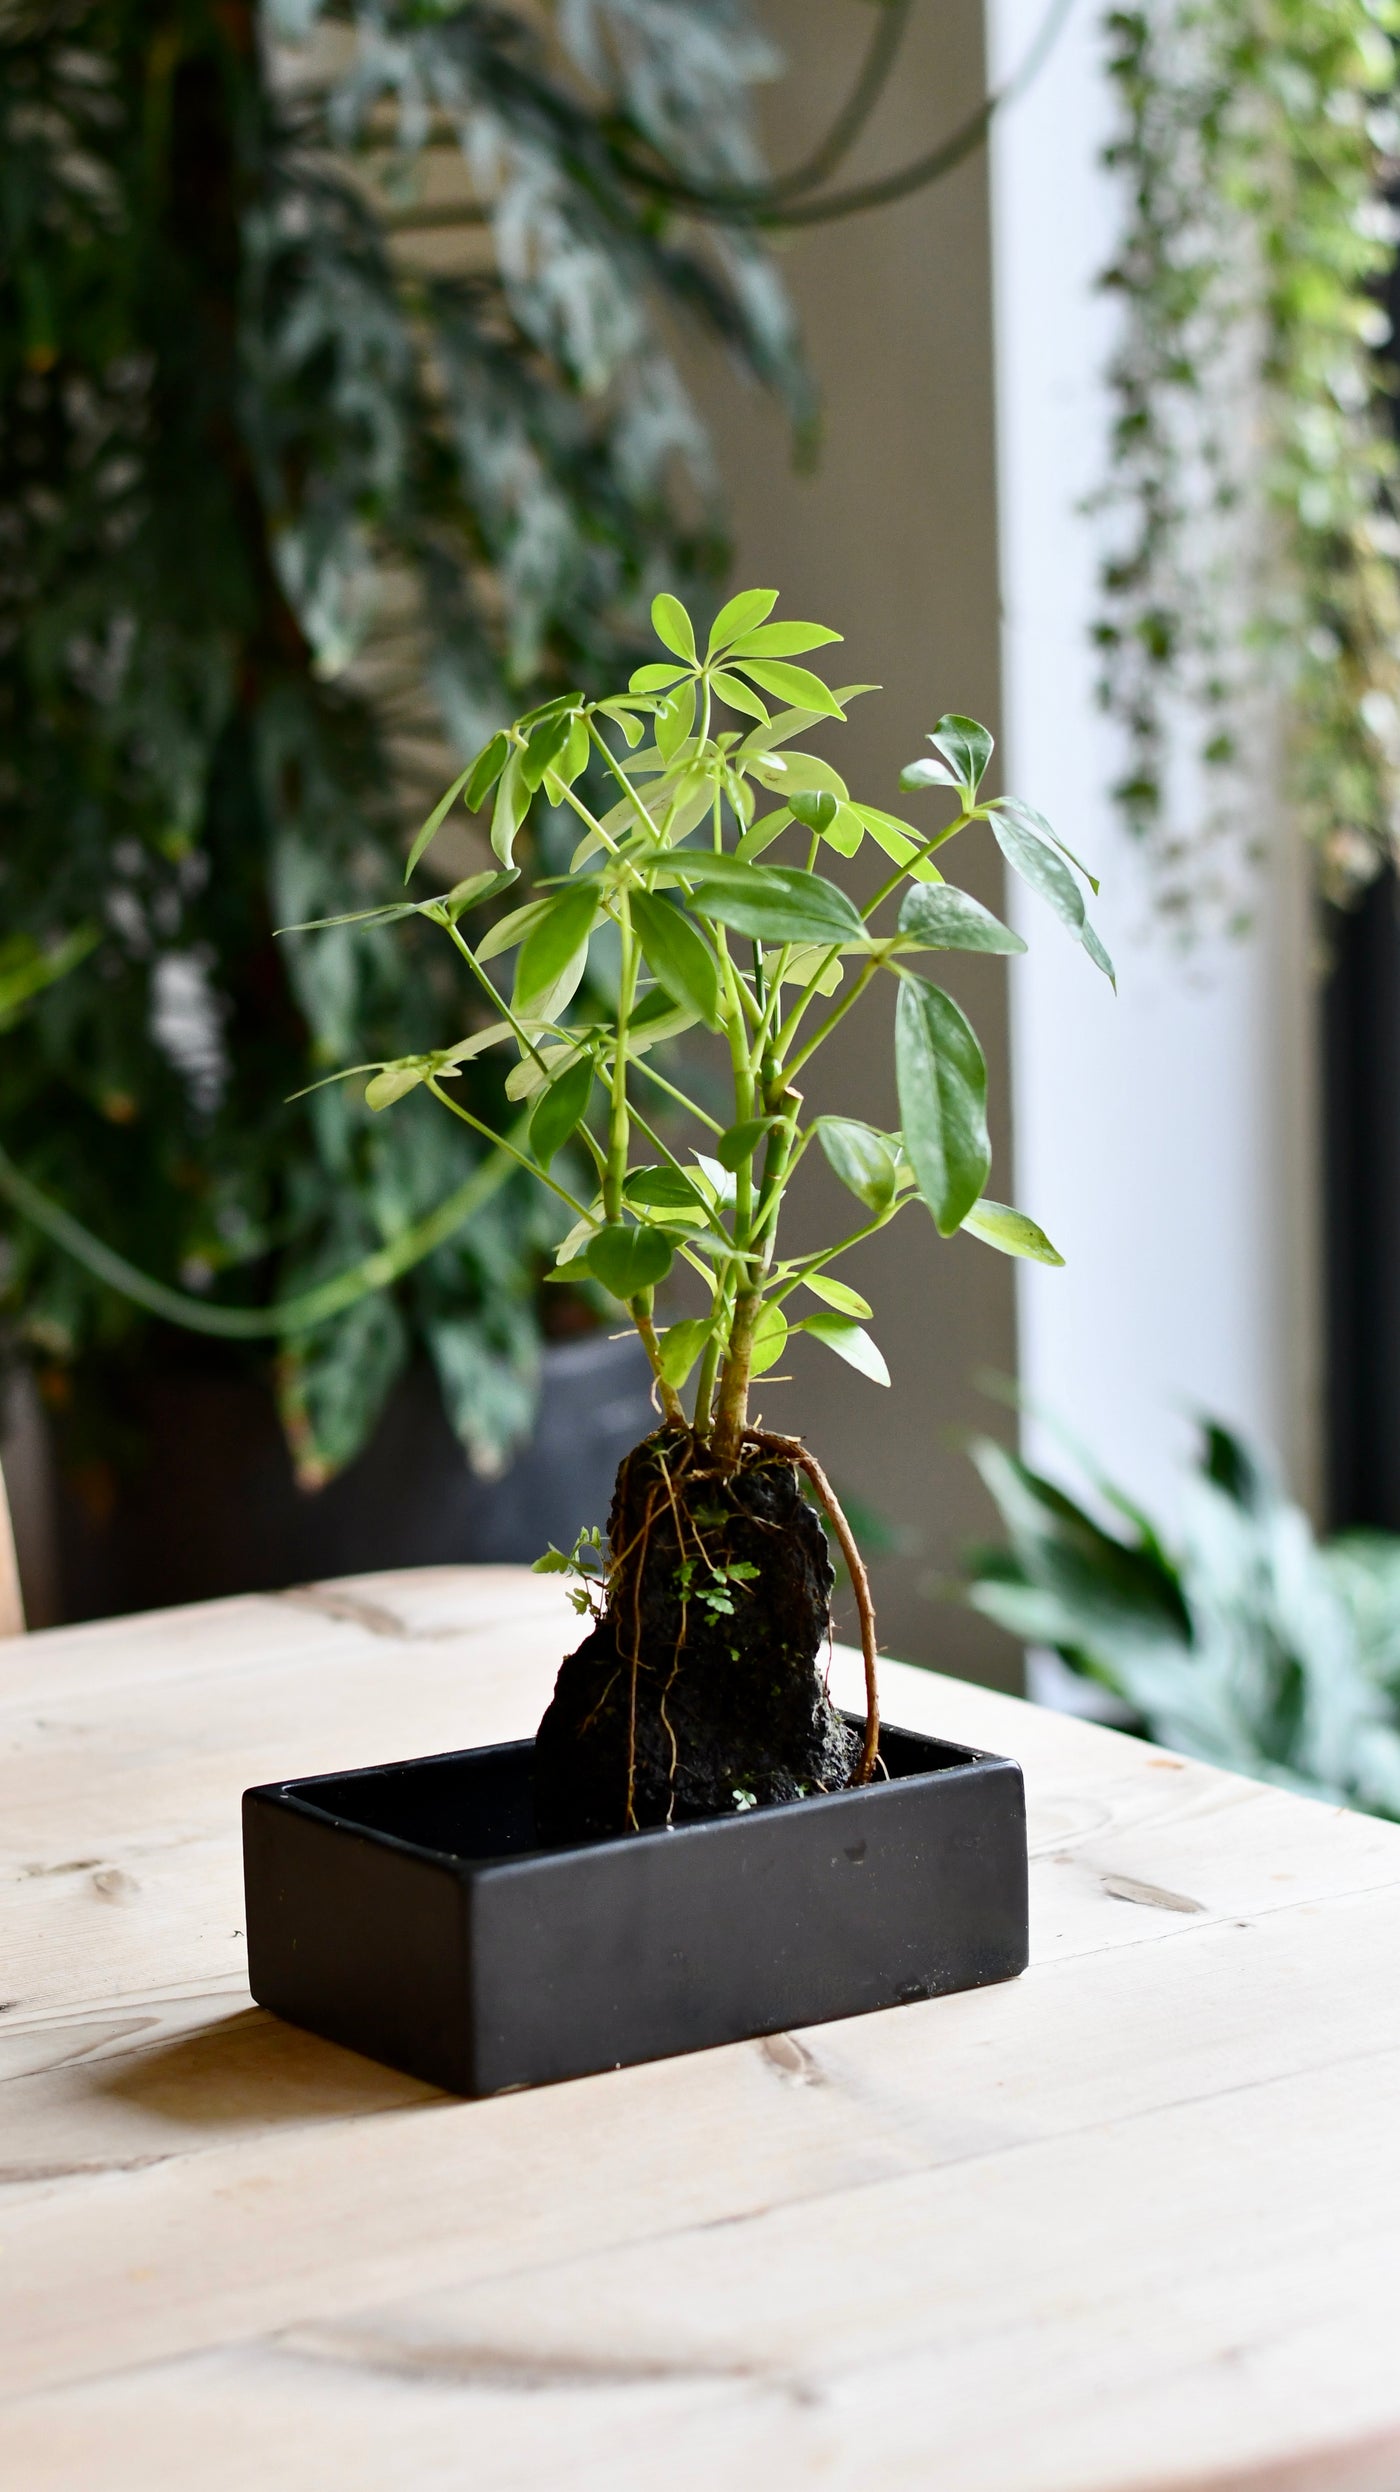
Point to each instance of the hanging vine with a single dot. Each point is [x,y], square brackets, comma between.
[1254,475]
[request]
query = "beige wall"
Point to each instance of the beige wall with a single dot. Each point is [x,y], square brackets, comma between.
[892,540]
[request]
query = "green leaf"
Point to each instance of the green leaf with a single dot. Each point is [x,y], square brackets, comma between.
[793,683]
[850,1341]
[438,816]
[770,1335]
[926,773]
[1017,806]
[681,1345]
[626,719]
[554,953]
[816,809]
[672,625]
[512,928]
[654,678]
[1010,1232]
[741,1141]
[743,613]
[553,1562]
[677,955]
[396,1081]
[861,1158]
[740,696]
[1038,863]
[966,747]
[486,770]
[942,1079]
[628,1260]
[772,903]
[762,833]
[363,917]
[560,1110]
[781,640]
[512,805]
[675,719]
[952,921]
[846,832]
[664,1189]
[837,1294]
[546,740]
[475,888]
[899,839]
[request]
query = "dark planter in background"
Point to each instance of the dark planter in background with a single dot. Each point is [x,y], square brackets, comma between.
[209,1504]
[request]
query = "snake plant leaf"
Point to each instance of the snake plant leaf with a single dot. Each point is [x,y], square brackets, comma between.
[942,1079]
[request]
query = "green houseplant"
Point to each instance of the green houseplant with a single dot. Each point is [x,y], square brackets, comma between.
[296,503]
[1239,1639]
[697,1689]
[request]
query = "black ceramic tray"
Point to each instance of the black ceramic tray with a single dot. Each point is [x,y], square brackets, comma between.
[410,1912]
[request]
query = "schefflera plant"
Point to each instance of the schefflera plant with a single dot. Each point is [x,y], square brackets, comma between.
[701,896]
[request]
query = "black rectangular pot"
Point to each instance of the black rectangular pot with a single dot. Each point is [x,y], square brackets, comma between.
[410,1912]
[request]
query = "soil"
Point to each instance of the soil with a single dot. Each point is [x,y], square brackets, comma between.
[700,1691]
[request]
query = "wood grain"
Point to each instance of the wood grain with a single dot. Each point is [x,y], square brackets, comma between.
[1131,2224]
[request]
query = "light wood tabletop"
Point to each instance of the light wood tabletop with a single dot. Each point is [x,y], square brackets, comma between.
[1132,2221]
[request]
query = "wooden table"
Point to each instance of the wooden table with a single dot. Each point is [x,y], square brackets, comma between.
[1131,2221]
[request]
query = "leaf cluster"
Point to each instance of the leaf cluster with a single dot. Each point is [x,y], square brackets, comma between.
[705,869]
[1254,551]
[293,508]
[1247,1644]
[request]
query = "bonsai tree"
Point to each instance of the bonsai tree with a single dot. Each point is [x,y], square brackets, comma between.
[693,898]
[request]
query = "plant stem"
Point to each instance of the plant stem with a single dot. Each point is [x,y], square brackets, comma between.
[617,1123]
[640,1310]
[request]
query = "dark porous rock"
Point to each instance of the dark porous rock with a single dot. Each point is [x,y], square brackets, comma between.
[699,1692]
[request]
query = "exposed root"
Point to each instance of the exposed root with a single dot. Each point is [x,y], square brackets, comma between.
[794,1450]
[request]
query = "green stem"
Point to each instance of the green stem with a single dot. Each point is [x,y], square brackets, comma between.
[616,1169]
[838,1013]
[580,1210]
[309,1308]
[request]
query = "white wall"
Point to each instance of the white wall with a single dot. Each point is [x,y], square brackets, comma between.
[1167,1139]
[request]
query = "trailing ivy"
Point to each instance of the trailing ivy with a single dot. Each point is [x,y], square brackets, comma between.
[1254,472]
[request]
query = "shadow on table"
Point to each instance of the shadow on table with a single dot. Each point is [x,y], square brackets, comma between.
[252,2071]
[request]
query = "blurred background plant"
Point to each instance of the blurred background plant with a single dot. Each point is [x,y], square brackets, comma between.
[1254,472]
[1246,1644]
[297,502]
